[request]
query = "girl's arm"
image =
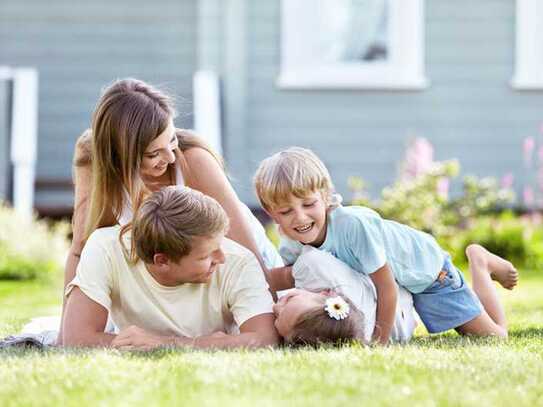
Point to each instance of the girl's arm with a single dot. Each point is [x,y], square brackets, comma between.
[387,298]
[209,178]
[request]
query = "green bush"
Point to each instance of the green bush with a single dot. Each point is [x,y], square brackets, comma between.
[420,199]
[30,248]
[516,238]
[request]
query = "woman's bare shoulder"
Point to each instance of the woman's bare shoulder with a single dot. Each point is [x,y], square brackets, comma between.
[83,149]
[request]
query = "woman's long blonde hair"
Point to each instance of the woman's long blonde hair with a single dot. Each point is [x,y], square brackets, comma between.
[128,117]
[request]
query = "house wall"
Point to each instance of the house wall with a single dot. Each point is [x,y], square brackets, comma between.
[81,46]
[5,91]
[468,112]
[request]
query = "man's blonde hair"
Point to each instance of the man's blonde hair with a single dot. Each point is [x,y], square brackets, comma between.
[297,171]
[170,219]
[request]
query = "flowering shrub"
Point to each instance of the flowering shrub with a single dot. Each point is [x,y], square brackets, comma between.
[420,198]
[29,248]
[516,238]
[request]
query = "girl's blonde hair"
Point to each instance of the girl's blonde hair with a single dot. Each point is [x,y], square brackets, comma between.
[316,327]
[295,171]
[128,117]
[170,219]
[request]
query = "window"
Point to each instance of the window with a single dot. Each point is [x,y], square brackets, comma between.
[528,50]
[365,44]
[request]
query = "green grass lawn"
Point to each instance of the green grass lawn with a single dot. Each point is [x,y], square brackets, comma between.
[438,370]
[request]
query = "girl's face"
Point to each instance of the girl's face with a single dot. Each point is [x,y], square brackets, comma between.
[290,307]
[159,153]
[303,219]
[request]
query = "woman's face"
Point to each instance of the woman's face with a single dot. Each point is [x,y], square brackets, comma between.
[159,153]
[290,307]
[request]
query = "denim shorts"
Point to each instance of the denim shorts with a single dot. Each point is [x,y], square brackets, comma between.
[448,302]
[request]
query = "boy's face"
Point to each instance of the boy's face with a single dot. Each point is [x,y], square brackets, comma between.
[303,219]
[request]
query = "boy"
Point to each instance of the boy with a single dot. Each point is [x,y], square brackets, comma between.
[295,189]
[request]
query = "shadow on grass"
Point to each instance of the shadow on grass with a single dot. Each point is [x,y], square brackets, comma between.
[32,351]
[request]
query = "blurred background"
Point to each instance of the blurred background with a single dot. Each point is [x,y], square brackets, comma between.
[354,80]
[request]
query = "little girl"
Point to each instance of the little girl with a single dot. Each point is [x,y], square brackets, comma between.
[321,277]
[303,315]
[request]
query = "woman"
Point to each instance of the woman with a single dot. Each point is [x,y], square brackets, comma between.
[134,149]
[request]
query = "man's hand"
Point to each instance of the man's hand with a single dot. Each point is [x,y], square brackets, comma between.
[135,338]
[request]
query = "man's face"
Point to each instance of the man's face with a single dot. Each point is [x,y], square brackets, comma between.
[199,265]
[303,219]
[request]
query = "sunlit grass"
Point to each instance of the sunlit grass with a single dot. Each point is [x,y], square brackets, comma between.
[438,370]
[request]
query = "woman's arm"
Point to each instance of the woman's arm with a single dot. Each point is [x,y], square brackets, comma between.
[280,278]
[82,186]
[209,178]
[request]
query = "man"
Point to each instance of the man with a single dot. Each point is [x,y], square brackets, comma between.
[177,281]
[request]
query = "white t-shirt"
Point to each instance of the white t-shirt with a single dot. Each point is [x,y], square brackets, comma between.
[235,293]
[316,270]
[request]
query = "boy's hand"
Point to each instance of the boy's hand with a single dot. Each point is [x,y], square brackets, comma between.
[387,297]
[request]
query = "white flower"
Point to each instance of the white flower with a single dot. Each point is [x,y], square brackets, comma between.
[337,308]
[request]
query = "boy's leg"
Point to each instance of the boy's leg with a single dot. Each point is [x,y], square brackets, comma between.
[484,267]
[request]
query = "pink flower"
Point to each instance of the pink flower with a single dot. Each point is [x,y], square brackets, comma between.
[540,155]
[419,158]
[528,195]
[443,188]
[528,150]
[507,180]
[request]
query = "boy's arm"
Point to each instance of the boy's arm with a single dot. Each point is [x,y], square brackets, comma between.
[280,278]
[387,297]
[256,332]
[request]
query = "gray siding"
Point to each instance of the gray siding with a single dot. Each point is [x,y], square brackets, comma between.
[4,139]
[469,111]
[79,47]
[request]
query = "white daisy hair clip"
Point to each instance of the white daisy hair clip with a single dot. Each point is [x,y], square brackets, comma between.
[337,308]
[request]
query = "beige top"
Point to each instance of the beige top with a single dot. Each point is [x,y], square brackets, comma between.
[235,293]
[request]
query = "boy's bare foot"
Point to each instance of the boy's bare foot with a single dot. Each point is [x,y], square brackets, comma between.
[499,269]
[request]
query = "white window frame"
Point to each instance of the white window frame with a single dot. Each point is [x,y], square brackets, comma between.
[529,36]
[403,71]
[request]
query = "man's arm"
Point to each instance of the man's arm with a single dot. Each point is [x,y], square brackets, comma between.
[84,322]
[257,332]
[387,298]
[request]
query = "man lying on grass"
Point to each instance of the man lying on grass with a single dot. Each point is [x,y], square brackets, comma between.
[172,279]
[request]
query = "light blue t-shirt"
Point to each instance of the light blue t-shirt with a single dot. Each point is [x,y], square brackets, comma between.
[359,237]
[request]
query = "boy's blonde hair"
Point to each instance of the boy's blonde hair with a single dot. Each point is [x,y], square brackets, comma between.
[297,171]
[316,327]
[170,219]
